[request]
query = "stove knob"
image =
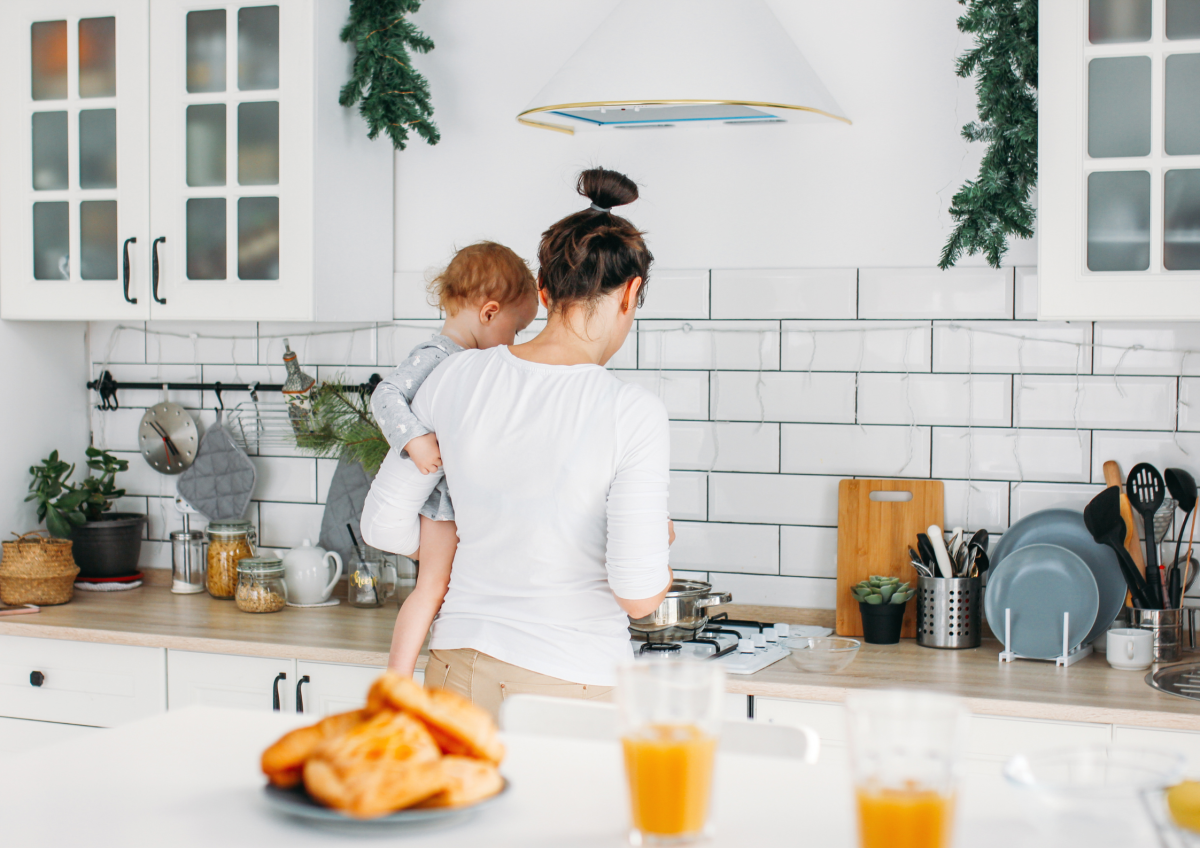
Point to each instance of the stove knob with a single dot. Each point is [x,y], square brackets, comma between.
[760,641]
[771,635]
[745,646]
[782,631]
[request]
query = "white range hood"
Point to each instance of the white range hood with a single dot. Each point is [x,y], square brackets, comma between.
[663,63]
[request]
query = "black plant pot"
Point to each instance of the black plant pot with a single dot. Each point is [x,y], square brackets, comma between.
[109,547]
[882,622]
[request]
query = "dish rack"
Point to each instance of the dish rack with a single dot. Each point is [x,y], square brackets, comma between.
[1068,657]
[259,425]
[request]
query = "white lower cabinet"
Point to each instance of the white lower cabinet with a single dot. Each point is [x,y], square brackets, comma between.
[18,735]
[327,688]
[1186,742]
[226,680]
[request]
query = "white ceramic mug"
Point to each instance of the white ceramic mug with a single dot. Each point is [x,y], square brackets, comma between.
[309,574]
[1130,648]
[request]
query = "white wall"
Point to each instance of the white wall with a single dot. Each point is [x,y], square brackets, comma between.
[799,195]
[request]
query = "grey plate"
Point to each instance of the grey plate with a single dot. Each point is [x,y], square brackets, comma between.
[1039,583]
[1066,528]
[296,802]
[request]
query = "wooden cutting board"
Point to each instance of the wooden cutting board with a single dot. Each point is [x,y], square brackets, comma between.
[874,536]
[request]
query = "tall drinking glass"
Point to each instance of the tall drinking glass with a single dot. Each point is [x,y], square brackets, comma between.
[670,719]
[906,755]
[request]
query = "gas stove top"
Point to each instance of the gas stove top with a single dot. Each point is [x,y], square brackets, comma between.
[741,647]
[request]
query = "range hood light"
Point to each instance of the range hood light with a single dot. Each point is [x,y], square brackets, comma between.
[692,62]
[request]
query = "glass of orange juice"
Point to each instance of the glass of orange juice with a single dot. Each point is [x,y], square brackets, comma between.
[670,718]
[906,755]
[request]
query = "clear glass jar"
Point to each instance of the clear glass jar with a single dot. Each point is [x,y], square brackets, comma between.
[260,585]
[364,587]
[228,543]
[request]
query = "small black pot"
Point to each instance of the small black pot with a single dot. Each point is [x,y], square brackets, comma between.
[109,547]
[882,622]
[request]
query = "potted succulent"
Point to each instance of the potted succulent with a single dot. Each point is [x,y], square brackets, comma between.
[881,601]
[106,543]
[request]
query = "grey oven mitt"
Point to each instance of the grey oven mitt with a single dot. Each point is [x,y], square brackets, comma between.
[344,505]
[221,480]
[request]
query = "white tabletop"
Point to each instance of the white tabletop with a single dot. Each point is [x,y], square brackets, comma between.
[191,778]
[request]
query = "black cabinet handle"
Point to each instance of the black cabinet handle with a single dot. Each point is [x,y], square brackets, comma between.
[275,691]
[154,270]
[36,678]
[299,697]
[128,299]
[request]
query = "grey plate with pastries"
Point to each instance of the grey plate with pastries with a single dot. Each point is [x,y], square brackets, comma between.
[297,802]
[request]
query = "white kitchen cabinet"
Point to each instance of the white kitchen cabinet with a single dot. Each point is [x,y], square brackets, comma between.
[80,682]
[226,680]
[18,735]
[1186,742]
[326,688]
[1118,160]
[204,142]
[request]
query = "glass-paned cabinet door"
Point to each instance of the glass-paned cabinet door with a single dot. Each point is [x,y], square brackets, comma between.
[74,141]
[231,161]
[1119,159]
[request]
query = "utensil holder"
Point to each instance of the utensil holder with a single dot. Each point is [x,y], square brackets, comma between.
[1166,627]
[948,610]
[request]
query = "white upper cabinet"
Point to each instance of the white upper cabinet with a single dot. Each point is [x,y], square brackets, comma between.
[1119,159]
[196,150]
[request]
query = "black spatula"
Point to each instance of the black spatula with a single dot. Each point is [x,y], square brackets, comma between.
[1182,487]
[1146,491]
[1103,519]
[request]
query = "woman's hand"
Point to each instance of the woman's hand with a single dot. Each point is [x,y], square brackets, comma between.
[425,453]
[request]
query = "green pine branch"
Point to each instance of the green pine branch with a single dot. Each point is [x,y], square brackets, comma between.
[343,426]
[995,206]
[392,96]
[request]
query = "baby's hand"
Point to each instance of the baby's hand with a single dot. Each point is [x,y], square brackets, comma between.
[425,453]
[670,532]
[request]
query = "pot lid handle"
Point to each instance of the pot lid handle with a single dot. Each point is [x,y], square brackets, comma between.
[714,599]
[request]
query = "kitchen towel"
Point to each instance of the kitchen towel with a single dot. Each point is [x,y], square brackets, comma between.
[221,480]
[344,505]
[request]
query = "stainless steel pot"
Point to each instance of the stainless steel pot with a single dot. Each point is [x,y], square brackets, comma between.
[684,608]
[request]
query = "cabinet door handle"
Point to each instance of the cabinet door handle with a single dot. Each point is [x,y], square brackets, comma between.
[299,697]
[154,270]
[125,268]
[275,691]
[36,678]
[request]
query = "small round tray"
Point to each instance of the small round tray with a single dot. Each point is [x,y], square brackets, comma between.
[296,802]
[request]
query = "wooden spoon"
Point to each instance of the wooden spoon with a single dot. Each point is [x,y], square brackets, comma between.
[1113,477]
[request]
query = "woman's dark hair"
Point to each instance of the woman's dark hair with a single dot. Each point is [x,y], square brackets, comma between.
[586,255]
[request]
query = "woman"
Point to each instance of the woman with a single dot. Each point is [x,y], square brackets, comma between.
[558,472]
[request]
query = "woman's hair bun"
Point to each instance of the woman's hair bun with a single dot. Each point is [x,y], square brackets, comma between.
[606,188]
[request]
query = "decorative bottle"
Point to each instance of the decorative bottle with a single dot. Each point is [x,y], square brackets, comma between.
[298,392]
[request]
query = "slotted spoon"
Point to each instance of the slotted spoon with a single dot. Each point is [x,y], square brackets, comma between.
[1146,491]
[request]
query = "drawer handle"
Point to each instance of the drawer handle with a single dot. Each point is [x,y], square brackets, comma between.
[36,678]
[299,697]
[275,691]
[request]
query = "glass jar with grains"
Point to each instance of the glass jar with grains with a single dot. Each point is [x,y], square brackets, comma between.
[228,543]
[260,586]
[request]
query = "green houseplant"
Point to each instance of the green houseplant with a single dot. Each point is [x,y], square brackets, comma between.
[106,543]
[881,600]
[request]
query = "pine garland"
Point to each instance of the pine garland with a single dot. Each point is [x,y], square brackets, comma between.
[1005,57]
[343,426]
[392,96]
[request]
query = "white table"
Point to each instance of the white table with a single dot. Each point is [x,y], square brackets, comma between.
[191,778]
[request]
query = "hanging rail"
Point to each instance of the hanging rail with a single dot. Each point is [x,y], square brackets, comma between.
[108,386]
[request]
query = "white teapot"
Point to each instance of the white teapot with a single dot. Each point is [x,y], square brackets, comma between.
[306,571]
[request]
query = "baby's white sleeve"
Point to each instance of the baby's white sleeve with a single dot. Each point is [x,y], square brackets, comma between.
[391,517]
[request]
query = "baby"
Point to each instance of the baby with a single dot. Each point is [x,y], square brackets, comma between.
[488,295]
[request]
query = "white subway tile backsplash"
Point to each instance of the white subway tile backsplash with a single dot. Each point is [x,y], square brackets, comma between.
[1162,450]
[627,356]
[676,294]
[981,400]
[931,293]
[117,342]
[808,551]
[807,592]
[746,548]
[1127,403]
[704,446]
[975,505]
[286,525]
[782,396]
[856,346]
[116,429]
[730,345]
[1122,348]
[1012,347]
[809,293]
[410,296]
[180,341]
[141,478]
[1028,498]
[685,393]
[1025,293]
[773,498]
[397,340]
[689,496]
[850,449]
[290,479]
[1058,456]
[154,555]
[335,344]
[1189,403]
[325,471]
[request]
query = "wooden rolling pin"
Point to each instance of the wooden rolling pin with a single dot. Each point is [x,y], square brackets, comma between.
[1112,476]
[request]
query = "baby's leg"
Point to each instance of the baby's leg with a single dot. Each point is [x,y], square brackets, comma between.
[439,541]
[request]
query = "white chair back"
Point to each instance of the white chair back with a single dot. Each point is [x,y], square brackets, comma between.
[541,715]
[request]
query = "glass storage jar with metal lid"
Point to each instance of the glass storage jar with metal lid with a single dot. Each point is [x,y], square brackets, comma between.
[260,585]
[228,542]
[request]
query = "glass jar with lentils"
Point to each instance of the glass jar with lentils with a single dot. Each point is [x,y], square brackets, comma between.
[228,542]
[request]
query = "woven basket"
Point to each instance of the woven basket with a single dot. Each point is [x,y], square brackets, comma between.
[37,570]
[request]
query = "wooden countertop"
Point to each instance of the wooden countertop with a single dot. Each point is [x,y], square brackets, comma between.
[1089,691]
